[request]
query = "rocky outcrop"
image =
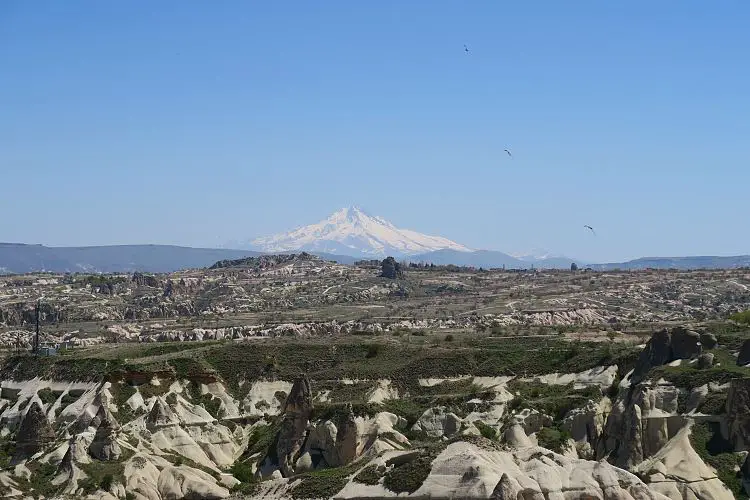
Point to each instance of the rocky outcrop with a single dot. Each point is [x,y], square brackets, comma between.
[664,347]
[391,269]
[516,437]
[706,360]
[104,446]
[697,396]
[321,443]
[708,340]
[678,472]
[586,424]
[532,421]
[437,422]
[743,358]
[507,489]
[738,413]
[294,426]
[686,344]
[161,415]
[658,351]
[146,280]
[641,423]
[467,470]
[189,483]
[34,433]
[347,437]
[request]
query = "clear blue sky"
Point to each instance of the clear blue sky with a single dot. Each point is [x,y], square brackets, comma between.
[197,123]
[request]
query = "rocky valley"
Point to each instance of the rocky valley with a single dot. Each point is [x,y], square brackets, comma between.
[293,377]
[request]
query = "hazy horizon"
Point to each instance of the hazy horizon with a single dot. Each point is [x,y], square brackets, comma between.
[199,124]
[238,245]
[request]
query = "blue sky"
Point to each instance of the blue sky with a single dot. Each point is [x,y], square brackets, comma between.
[197,123]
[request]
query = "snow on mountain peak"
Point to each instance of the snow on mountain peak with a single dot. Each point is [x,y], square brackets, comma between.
[351,231]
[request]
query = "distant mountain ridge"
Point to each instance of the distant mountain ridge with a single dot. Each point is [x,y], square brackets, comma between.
[682,263]
[351,231]
[18,258]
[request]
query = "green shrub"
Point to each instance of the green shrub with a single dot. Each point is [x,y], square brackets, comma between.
[408,477]
[372,350]
[7,450]
[741,317]
[262,440]
[47,396]
[714,404]
[211,404]
[554,400]
[370,475]
[243,472]
[407,408]
[324,483]
[68,399]
[713,449]
[41,479]
[553,439]
[106,482]
[486,430]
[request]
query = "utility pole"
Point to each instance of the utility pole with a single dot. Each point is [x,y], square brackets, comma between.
[36,335]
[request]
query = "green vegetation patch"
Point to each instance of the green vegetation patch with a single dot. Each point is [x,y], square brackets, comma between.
[102,280]
[189,368]
[371,475]
[47,396]
[67,400]
[345,393]
[486,431]
[408,476]
[741,317]
[243,472]
[405,363]
[714,404]
[122,392]
[336,411]
[729,335]
[553,439]
[212,405]
[324,483]
[10,394]
[713,449]
[553,400]
[408,409]
[7,450]
[27,366]
[687,376]
[40,481]
[262,441]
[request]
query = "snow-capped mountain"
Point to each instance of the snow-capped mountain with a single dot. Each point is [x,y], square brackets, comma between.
[350,231]
[535,254]
[543,258]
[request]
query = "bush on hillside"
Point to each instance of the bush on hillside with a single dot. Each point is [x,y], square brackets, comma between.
[741,317]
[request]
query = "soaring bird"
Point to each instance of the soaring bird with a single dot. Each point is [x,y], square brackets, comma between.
[466,49]
[508,153]
[590,228]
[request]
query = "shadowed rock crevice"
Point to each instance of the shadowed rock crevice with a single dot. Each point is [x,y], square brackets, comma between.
[34,434]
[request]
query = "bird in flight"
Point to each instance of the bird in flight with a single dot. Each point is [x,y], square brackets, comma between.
[508,153]
[466,49]
[590,228]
